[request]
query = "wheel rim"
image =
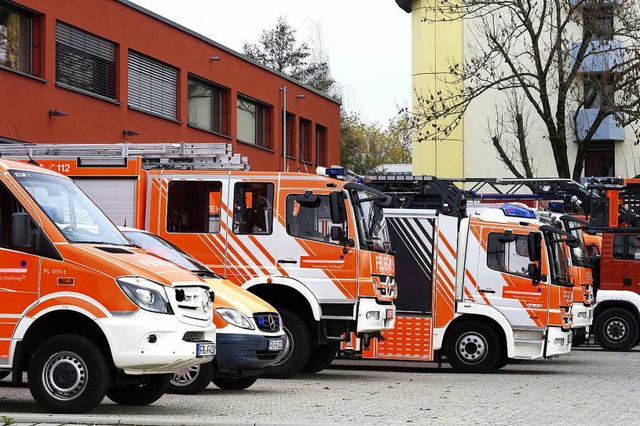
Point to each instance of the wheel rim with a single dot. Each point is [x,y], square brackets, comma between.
[616,330]
[471,347]
[64,376]
[186,376]
[287,350]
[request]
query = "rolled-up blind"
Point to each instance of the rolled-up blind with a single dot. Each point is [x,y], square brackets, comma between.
[152,86]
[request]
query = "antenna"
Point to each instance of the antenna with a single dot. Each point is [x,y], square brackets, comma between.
[31,160]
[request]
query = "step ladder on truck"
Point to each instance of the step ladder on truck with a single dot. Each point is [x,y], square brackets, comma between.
[84,312]
[477,289]
[313,246]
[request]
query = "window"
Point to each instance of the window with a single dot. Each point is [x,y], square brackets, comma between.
[598,21]
[253,122]
[253,209]
[19,40]
[598,91]
[152,86]
[305,140]
[510,257]
[310,218]
[85,61]
[194,207]
[626,247]
[599,159]
[207,105]
[291,148]
[321,145]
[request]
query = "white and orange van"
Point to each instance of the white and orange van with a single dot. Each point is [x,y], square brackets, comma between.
[82,310]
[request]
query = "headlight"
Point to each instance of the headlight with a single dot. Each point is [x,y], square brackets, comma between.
[146,294]
[236,318]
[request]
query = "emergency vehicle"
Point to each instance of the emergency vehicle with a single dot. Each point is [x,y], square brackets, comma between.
[313,246]
[479,289]
[84,312]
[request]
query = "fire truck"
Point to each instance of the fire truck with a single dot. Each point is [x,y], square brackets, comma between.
[477,289]
[84,312]
[313,246]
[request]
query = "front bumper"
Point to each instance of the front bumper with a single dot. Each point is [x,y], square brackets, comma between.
[373,317]
[582,315]
[238,353]
[136,352]
[558,342]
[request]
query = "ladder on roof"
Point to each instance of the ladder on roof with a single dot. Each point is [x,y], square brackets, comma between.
[180,155]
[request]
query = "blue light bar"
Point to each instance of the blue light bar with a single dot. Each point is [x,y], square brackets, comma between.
[335,171]
[514,210]
[556,206]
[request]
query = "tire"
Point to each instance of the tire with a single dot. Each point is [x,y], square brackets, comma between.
[4,374]
[68,374]
[190,381]
[153,386]
[579,337]
[616,329]
[239,383]
[297,348]
[473,347]
[503,361]
[321,357]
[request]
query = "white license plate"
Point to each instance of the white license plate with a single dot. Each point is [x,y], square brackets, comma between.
[205,349]
[276,345]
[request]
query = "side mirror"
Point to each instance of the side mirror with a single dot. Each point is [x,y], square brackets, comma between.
[21,230]
[337,233]
[507,237]
[309,200]
[534,273]
[573,242]
[534,245]
[338,207]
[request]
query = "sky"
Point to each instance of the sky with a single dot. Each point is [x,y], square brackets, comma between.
[367,42]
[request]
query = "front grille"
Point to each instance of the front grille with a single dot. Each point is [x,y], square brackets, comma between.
[193,336]
[269,322]
[266,355]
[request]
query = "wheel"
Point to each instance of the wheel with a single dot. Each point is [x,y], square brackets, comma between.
[473,347]
[68,374]
[152,387]
[579,337]
[192,380]
[4,374]
[296,351]
[616,330]
[239,383]
[321,357]
[503,361]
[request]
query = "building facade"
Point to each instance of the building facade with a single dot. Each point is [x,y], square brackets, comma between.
[467,151]
[110,71]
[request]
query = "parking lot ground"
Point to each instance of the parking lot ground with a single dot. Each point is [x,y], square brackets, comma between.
[589,386]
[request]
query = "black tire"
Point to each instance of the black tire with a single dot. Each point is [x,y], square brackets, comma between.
[579,337]
[473,347]
[190,381]
[321,357]
[616,329]
[68,374]
[503,361]
[4,374]
[296,350]
[152,387]
[239,383]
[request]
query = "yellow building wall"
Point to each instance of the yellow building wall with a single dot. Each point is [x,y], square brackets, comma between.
[436,45]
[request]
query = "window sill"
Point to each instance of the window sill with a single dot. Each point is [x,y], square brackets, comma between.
[222,135]
[255,146]
[84,92]
[164,117]
[24,74]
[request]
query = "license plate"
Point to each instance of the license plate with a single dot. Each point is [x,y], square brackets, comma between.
[205,349]
[389,314]
[276,345]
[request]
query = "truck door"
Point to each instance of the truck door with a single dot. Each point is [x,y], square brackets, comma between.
[631,277]
[307,252]
[613,261]
[504,282]
[19,272]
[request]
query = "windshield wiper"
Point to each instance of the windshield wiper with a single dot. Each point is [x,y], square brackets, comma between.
[106,243]
[202,273]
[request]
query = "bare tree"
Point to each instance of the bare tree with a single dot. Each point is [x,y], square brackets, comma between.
[555,57]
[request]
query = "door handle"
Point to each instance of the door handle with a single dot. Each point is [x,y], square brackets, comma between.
[486,290]
[289,261]
[626,281]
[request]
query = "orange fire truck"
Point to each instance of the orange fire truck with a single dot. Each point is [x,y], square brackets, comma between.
[84,312]
[314,247]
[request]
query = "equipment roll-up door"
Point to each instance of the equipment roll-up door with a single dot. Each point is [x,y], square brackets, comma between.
[116,197]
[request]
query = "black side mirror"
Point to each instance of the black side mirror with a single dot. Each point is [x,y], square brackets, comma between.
[21,235]
[534,245]
[507,237]
[534,273]
[573,242]
[338,207]
[337,234]
[309,200]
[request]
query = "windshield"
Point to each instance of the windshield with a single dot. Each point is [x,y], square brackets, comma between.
[372,227]
[578,254]
[75,215]
[164,249]
[558,262]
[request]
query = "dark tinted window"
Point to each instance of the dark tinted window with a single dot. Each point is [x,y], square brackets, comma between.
[253,208]
[194,207]
[511,257]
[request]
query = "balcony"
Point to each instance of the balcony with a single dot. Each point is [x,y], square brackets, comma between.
[601,55]
[609,129]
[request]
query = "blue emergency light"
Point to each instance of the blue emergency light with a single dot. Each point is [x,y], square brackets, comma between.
[514,210]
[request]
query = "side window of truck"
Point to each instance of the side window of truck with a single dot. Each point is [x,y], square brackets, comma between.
[626,247]
[618,247]
[312,222]
[253,208]
[193,207]
[510,257]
